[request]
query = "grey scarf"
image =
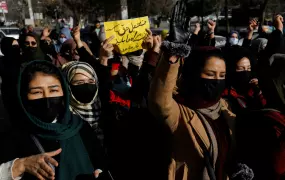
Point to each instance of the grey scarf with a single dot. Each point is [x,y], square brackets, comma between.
[210,155]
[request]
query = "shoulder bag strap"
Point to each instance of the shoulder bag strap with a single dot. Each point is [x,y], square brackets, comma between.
[41,149]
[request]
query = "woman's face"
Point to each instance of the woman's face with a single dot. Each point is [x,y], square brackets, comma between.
[234,35]
[44,86]
[215,68]
[243,65]
[31,42]
[79,79]
[62,36]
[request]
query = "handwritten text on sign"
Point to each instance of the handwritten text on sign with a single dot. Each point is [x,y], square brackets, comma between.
[129,34]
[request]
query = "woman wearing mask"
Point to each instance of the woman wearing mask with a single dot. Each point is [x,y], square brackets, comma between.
[199,110]
[200,38]
[74,50]
[83,85]
[242,90]
[9,71]
[202,126]
[234,38]
[260,134]
[64,35]
[49,125]
[31,49]
[68,52]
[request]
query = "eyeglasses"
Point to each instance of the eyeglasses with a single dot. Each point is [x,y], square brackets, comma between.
[80,82]
[30,43]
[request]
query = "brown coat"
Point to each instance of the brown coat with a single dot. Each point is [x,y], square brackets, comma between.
[187,156]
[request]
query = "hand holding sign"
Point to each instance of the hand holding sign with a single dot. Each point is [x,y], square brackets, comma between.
[106,50]
[156,43]
[46,32]
[148,41]
[129,34]
[76,33]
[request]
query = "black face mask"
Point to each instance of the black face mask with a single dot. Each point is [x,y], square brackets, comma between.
[30,50]
[241,80]
[15,50]
[211,89]
[84,93]
[30,53]
[46,109]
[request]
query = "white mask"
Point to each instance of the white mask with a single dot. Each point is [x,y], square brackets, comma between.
[62,40]
[233,41]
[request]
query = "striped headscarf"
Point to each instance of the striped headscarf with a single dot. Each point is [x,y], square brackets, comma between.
[90,112]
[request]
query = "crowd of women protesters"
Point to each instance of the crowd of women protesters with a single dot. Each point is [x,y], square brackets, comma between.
[180,109]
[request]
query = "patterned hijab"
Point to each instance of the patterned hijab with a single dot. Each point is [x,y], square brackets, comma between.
[90,112]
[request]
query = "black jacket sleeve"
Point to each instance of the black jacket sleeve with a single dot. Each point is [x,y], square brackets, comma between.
[93,146]
[194,40]
[141,86]
[246,43]
[85,56]
[275,45]
[47,49]
[212,42]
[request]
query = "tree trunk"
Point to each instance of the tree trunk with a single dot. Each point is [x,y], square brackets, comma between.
[227,16]
[202,8]
[23,14]
[217,21]
[262,11]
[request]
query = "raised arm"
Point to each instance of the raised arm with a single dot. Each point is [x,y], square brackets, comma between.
[276,42]
[161,103]
[160,98]
[140,87]
[252,26]
[194,39]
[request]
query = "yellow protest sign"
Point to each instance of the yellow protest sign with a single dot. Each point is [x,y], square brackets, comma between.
[129,34]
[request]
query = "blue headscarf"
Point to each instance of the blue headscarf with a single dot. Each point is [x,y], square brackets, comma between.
[234,32]
[66,32]
[68,36]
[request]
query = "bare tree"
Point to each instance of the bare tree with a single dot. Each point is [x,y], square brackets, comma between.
[150,7]
[17,9]
[254,3]
[82,8]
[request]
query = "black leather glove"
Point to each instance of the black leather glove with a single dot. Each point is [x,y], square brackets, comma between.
[180,23]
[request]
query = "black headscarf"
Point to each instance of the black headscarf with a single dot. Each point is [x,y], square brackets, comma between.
[272,82]
[192,84]
[233,55]
[66,130]
[196,61]
[27,54]
[9,70]
[6,46]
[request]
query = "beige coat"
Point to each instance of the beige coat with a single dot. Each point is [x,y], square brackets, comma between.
[187,157]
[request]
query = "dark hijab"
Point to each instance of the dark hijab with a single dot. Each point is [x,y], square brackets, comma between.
[74,159]
[193,88]
[272,82]
[11,52]
[7,48]
[239,79]
[9,70]
[30,53]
